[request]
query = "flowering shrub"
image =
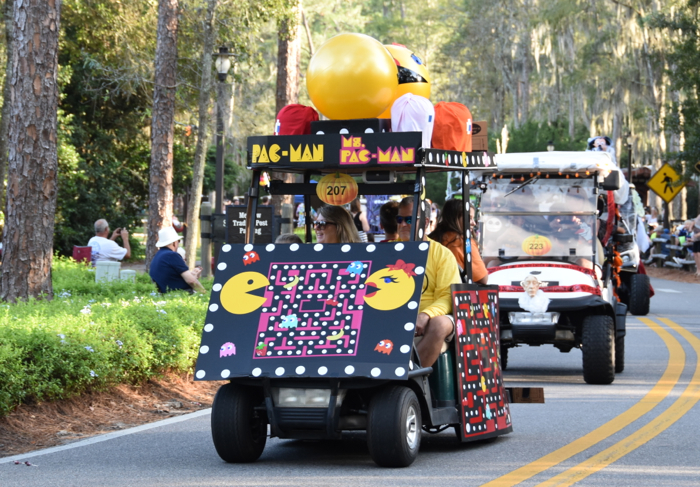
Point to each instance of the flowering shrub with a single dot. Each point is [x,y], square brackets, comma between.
[91,336]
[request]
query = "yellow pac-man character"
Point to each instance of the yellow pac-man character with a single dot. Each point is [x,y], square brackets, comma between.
[413,75]
[352,76]
[236,297]
[391,287]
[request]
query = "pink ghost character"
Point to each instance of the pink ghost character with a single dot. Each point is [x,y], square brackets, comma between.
[227,349]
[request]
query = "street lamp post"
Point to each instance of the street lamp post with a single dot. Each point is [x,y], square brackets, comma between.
[223,64]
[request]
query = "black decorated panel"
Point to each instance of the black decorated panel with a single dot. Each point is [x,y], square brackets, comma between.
[312,310]
[484,403]
[333,151]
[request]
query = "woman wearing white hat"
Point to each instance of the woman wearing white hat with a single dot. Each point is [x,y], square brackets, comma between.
[168,269]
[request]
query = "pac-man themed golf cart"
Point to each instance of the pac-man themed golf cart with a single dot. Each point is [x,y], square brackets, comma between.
[315,340]
[556,263]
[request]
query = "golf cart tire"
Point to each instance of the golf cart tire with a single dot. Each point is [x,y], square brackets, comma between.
[619,354]
[504,357]
[598,349]
[639,295]
[238,432]
[394,427]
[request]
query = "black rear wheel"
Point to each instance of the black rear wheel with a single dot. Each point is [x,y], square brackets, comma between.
[394,427]
[619,354]
[238,430]
[639,294]
[598,347]
[504,357]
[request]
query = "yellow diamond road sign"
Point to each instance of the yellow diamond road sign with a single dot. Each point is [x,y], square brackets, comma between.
[666,183]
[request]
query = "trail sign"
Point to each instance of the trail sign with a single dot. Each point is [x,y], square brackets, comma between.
[666,183]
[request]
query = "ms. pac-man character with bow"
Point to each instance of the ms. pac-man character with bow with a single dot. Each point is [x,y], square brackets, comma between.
[391,287]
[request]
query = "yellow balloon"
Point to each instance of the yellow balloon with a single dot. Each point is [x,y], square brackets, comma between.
[352,76]
[236,297]
[389,289]
[413,75]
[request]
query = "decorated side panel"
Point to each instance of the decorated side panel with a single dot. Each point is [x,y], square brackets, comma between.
[313,310]
[483,403]
[456,159]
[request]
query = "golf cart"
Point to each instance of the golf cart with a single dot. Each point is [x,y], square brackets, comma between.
[318,339]
[635,288]
[558,284]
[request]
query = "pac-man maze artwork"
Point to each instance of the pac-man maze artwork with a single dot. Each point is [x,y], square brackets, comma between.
[484,403]
[313,310]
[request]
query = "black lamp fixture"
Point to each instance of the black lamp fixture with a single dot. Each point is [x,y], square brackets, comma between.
[550,145]
[223,63]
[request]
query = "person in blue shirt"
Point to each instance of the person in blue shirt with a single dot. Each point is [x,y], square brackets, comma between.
[168,268]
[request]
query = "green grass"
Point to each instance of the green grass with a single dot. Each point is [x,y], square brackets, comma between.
[92,336]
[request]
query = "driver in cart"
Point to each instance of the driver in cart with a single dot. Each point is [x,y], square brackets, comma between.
[435,323]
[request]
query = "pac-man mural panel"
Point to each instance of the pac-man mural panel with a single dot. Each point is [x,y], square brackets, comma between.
[312,310]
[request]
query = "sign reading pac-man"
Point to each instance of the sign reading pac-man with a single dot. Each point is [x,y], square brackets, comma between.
[333,150]
[313,310]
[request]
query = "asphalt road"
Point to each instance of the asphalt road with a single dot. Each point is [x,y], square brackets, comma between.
[641,430]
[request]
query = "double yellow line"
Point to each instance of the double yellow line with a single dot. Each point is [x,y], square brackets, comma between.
[658,393]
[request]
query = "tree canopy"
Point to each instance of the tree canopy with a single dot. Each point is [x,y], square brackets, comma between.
[561,70]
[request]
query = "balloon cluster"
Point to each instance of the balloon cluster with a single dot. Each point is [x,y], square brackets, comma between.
[355,76]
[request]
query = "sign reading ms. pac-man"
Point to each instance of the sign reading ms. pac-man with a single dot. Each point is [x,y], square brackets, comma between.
[313,310]
[333,150]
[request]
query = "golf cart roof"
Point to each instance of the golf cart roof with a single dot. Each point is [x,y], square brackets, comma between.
[556,162]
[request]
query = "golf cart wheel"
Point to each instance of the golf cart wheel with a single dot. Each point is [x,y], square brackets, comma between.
[639,295]
[619,354]
[394,427]
[504,357]
[598,347]
[239,432]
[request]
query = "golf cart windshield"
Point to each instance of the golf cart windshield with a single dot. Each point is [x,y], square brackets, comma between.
[538,218]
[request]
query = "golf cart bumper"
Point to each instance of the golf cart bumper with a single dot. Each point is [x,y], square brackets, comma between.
[322,409]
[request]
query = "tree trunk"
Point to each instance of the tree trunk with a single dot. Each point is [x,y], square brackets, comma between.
[525,81]
[288,52]
[6,104]
[160,200]
[200,151]
[572,114]
[308,34]
[31,194]
[288,59]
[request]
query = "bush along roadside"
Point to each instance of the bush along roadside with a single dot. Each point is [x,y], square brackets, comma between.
[92,336]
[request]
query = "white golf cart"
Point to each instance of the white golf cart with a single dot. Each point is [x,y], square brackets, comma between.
[557,283]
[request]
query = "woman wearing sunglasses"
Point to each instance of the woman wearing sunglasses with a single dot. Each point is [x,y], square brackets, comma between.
[333,224]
